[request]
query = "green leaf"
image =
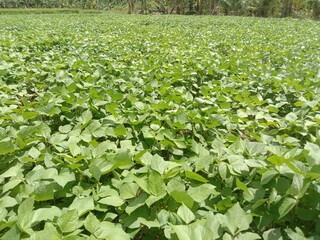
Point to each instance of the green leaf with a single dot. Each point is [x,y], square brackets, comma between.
[103,147]
[13,171]
[194,231]
[128,190]
[183,232]
[28,115]
[202,192]
[109,231]
[268,175]
[185,214]
[82,205]
[7,201]
[291,117]
[115,201]
[34,153]
[73,146]
[91,223]
[157,164]
[255,148]
[297,235]
[95,171]
[203,162]
[285,206]
[298,186]
[241,186]
[182,197]
[65,176]
[85,117]
[195,176]
[3,133]
[12,234]
[26,207]
[223,170]
[122,158]
[148,223]
[248,236]
[235,220]
[136,203]
[120,130]
[49,232]
[25,215]
[11,184]
[142,182]
[213,225]
[44,192]
[65,128]
[69,221]
[6,147]
[45,214]
[272,234]
[156,185]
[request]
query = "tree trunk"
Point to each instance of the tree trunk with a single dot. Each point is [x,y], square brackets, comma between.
[316,10]
[180,8]
[213,6]
[199,7]
[263,8]
[190,6]
[130,6]
[143,6]
[26,3]
[286,8]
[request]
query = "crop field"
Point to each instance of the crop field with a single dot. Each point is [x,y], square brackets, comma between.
[159,127]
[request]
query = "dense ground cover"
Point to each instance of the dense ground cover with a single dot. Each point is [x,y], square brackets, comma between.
[159,127]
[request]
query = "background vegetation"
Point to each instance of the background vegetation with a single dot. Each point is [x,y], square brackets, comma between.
[261,8]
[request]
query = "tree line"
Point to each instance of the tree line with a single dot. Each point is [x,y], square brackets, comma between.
[261,8]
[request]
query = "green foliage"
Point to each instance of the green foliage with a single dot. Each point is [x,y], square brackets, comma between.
[46,11]
[165,127]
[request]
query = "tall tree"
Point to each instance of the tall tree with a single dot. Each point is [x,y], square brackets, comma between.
[286,8]
[130,6]
[199,7]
